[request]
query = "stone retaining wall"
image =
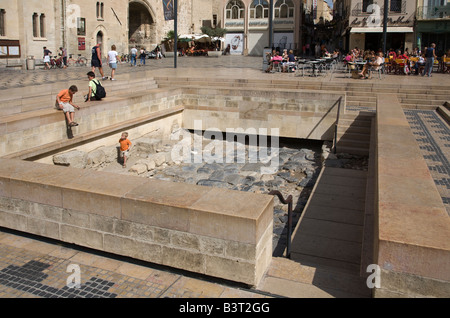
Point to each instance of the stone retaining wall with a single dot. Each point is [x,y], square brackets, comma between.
[412,227]
[217,232]
[307,115]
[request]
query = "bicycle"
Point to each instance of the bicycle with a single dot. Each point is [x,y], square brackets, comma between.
[81,61]
[124,58]
[56,63]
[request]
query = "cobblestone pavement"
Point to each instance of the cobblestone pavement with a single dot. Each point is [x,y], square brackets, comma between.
[32,267]
[17,78]
[433,136]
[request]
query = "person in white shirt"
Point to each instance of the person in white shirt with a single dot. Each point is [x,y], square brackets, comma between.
[112,61]
[133,52]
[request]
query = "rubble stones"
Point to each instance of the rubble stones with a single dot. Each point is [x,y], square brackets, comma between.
[74,159]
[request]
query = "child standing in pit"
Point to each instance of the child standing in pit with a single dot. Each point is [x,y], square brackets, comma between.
[64,102]
[125,145]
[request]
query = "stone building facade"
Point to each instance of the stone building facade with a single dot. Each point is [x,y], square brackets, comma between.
[361,23]
[26,26]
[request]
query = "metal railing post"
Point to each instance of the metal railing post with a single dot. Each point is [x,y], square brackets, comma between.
[288,201]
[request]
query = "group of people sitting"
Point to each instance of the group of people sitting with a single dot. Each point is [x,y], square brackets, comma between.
[286,61]
[405,62]
[373,61]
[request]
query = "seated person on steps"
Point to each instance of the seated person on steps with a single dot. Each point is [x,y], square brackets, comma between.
[64,101]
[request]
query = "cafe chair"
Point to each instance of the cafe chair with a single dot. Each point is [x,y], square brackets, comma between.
[381,71]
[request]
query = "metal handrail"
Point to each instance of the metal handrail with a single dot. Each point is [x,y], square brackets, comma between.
[336,126]
[288,201]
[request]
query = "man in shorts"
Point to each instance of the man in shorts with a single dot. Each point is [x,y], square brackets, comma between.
[96,60]
[64,102]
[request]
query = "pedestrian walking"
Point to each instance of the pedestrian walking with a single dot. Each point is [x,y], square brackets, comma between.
[112,61]
[430,55]
[64,56]
[47,54]
[96,60]
[133,53]
[142,57]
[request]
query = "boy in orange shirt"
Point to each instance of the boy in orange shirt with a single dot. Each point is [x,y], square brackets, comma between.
[64,101]
[125,145]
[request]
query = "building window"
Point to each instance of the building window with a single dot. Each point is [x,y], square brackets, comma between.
[366,4]
[35,25]
[42,25]
[396,6]
[99,10]
[214,20]
[39,29]
[2,22]
[235,10]
[259,9]
[284,9]
[81,26]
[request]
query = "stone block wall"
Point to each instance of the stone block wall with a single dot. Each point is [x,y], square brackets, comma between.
[412,226]
[216,232]
[25,131]
[304,114]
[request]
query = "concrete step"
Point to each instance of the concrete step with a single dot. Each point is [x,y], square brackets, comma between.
[294,280]
[346,135]
[362,98]
[361,104]
[444,112]
[418,106]
[329,234]
[356,143]
[424,101]
[342,129]
[352,150]
[46,99]
[357,122]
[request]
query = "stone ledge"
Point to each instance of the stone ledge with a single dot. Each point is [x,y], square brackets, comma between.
[412,226]
[199,229]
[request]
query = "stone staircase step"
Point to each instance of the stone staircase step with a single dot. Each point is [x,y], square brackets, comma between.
[330,232]
[423,101]
[353,129]
[45,99]
[347,142]
[353,150]
[346,135]
[294,280]
[444,111]
[418,106]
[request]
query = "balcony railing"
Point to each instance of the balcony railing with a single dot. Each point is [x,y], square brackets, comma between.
[429,13]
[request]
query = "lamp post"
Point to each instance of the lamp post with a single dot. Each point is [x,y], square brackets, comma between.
[386,3]
[271,24]
[175,21]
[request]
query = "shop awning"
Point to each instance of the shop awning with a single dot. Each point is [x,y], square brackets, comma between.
[380,30]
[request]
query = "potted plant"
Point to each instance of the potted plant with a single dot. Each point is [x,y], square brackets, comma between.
[216,34]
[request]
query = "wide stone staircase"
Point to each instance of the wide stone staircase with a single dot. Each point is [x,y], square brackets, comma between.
[353,133]
[358,94]
[327,244]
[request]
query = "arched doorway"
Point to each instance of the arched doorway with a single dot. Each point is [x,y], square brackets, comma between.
[141,26]
[100,40]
